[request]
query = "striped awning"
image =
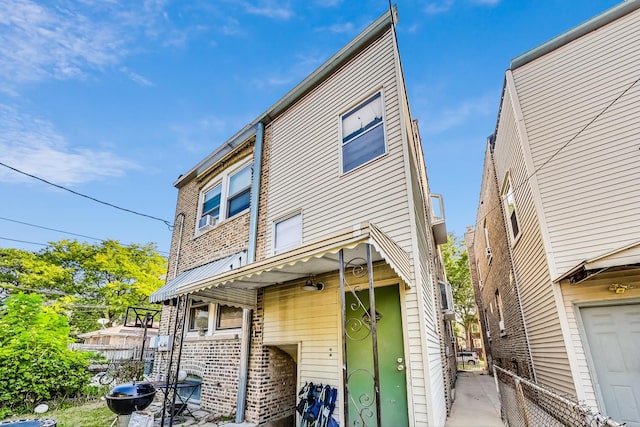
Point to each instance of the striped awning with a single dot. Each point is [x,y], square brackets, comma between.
[316,258]
[198,274]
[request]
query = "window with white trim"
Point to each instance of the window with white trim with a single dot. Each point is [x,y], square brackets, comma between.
[362,131]
[226,196]
[510,208]
[287,233]
[487,245]
[500,313]
[208,318]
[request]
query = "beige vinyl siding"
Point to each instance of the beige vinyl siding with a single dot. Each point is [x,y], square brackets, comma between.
[594,291]
[305,169]
[430,346]
[547,345]
[589,191]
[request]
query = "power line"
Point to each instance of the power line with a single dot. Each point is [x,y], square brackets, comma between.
[565,145]
[59,231]
[167,223]
[23,241]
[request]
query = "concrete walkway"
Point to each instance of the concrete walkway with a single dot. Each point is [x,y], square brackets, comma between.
[476,402]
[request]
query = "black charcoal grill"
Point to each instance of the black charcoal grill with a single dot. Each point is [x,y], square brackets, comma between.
[127,398]
[42,422]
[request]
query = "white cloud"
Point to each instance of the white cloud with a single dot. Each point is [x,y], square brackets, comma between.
[347,27]
[137,78]
[434,8]
[69,39]
[487,2]
[206,132]
[33,145]
[450,118]
[269,8]
[442,6]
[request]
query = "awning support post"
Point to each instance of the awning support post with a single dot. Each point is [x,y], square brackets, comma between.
[243,369]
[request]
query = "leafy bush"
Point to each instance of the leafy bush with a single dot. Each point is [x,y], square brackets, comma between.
[35,363]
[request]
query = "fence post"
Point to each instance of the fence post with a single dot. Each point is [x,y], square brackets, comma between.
[521,401]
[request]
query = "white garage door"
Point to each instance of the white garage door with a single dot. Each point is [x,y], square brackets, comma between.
[613,335]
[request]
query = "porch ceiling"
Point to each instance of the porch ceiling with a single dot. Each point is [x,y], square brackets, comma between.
[316,258]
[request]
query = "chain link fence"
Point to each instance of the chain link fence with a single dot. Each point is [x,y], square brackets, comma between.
[525,404]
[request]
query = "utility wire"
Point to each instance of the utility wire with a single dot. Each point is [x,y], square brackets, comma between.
[565,145]
[23,241]
[167,223]
[59,231]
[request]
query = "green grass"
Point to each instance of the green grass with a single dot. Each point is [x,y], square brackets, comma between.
[92,414]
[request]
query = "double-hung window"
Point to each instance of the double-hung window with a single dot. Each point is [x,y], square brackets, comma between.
[211,207]
[239,191]
[229,196]
[209,318]
[510,208]
[362,131]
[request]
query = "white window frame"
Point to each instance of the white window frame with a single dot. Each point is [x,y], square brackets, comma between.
[501,322]
[212,322]
[221,179]
[353,109]
[508,192]
[274,249]
[487,244]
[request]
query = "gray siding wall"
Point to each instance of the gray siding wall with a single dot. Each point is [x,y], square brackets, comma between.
[590,190]
[305,171]
[547,345]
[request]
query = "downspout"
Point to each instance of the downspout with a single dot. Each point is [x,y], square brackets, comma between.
[255,193]
[177,260]
[245,345]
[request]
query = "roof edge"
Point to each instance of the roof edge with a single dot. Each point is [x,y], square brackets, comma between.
[356,45]
[586,27]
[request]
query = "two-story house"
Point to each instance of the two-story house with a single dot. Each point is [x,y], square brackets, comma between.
[305,250]
[560,214]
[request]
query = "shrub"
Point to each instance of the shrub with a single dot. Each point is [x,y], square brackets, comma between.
[35,363]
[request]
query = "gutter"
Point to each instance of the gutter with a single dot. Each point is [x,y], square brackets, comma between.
[567,37]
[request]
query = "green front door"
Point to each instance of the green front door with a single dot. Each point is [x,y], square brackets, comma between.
[391,362]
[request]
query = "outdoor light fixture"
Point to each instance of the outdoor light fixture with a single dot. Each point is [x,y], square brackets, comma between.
[619,288]
[312,285]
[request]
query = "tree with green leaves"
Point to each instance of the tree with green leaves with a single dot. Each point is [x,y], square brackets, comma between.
[35,363]
[87,281]
[456,264]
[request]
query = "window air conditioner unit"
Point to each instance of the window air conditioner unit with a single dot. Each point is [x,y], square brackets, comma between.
[501,324]
[487,252]
[446,297]
[208,221]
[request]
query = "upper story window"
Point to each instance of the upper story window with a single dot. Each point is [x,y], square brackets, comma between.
[498,299]
[228,195]
[362,131]
[510,208]
[487,244]
[287,233]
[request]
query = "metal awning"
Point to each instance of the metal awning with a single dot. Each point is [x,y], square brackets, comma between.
[315,258]
[624,256]
[197,274]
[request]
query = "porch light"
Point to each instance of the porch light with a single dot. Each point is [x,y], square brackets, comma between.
[312,285]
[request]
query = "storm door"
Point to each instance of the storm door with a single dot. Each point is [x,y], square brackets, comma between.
[374,376]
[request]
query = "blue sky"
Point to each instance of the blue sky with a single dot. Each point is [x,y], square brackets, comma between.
[115,99]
